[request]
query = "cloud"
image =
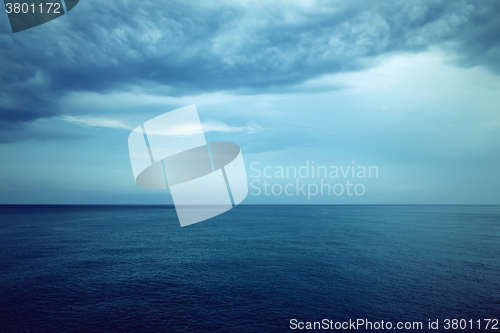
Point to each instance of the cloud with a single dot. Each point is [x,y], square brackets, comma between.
[217,126]
[177,49]
[187,130]
[193,129]
[95,122]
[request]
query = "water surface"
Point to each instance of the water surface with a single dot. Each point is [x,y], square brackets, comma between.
[252,269]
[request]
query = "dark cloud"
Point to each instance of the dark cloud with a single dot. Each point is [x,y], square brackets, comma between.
[107,46]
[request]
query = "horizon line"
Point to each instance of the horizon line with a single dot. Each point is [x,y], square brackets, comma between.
[172,205]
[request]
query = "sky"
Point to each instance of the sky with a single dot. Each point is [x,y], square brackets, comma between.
[411,87]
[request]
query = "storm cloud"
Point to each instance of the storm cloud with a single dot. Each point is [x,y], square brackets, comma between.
[177,48]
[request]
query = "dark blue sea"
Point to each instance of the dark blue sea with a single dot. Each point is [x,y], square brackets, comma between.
[252,269]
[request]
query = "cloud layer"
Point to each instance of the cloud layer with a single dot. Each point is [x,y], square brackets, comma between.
[171,48]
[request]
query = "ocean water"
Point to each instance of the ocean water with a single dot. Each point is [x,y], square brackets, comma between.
[252,269]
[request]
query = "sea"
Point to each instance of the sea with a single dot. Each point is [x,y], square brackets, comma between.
[252,269]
